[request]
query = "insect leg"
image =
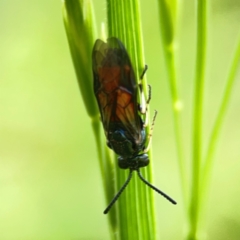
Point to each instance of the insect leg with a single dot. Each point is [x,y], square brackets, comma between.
[146,106]
[144,71]
[150,133]
[149,94]
[144,103]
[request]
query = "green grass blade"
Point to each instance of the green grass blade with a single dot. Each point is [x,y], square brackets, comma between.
[209,159]
[80,29]
[194,206]
[135,207]
[78,21]
[168,26]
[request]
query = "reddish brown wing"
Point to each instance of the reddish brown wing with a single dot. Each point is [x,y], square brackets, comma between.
[115,87]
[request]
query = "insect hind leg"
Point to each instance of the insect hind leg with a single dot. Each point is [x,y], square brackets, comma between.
[144,71]
[144,102]
[151,132]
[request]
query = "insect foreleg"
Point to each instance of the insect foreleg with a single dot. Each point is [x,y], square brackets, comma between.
[150,133]
[144,111]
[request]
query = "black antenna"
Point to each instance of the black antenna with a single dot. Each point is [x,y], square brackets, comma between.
[119,193]
[127,182]
[154,188]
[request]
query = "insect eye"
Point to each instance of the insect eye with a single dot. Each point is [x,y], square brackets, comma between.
[136,162]
[142,160]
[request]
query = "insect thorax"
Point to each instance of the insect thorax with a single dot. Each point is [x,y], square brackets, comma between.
[128,149]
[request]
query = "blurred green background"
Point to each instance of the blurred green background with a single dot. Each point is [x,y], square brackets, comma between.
[50,184]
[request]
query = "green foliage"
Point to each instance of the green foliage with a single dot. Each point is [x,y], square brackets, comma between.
[79,25]
[135,207]
[135,218]
[51,187]
[133,215]
[200,180]
[123,20]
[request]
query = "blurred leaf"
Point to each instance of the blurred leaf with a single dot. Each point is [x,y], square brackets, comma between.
[79,25]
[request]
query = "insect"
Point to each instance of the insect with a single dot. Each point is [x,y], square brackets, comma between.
[116,92]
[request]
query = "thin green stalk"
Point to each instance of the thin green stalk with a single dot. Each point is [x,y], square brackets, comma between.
[168,25]
[208,163]
[80,28]
[194,207]
[135,206]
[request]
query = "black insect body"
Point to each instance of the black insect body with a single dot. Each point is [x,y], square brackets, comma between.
[116,92]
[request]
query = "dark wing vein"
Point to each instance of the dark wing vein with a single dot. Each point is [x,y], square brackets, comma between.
[115,87]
